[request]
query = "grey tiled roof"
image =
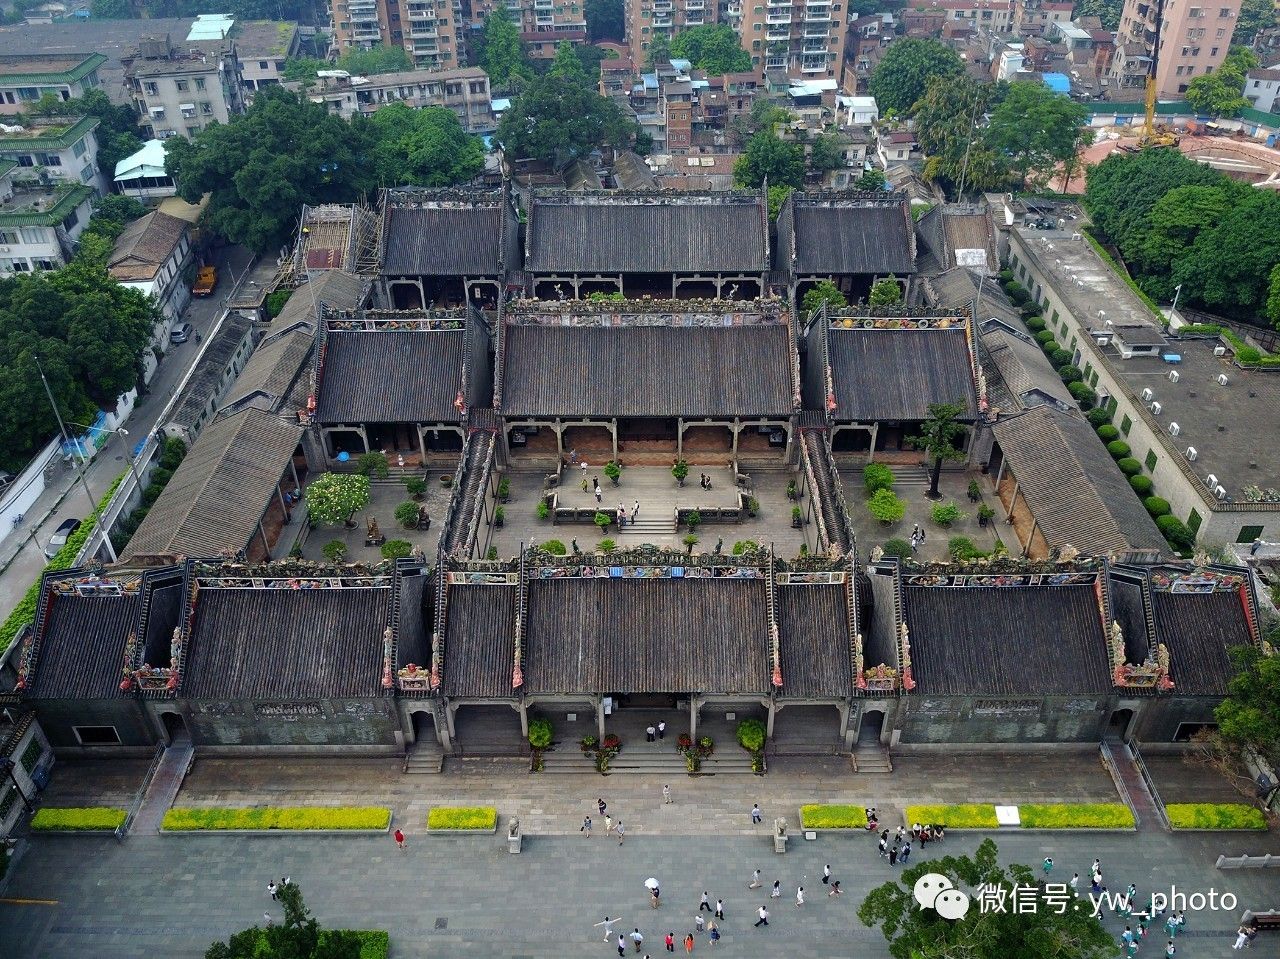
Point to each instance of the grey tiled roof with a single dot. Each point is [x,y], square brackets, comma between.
[391,376]
[895,374]
[1017,370]
[438,241]
[82,646]
[847,236]
[479,643]
[814,639]
[1200,629]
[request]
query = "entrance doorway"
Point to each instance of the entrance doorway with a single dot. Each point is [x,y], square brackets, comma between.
[175,728]
[1118,724]
[424,729]
[872,727]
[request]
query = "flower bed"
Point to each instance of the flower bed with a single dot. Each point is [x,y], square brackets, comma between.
[79,819]
[191,819]
[484,818]
[970,816]
[815,816]
[1215,816]
[1076,816]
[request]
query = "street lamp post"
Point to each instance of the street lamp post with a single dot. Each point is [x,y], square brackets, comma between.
[7,763]
[1177,292]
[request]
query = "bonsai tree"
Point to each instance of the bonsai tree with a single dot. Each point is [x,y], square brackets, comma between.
[876,476]
[336,497]
[613,469]
[543,509]
[554,547]
[407,514]
[602,520]
[396,549]
[944,514]
[690,541]
[499,516]
[607,545]
[334,550]
[824,291]
[541,733]
[897,547]
[938,436]
[797,517]
[753,506]
[985,513]
[415,486]
[886,292]
[504,489]
[886,507]
[680,470]
[372,464]
[693,519]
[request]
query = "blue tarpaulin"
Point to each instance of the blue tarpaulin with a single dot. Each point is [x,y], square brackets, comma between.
[1057,82]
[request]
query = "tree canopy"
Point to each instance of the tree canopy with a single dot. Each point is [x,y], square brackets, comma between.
[298,937]
[558,118]
[1036,128]
[984,933]
[111,214]
[713,48]
[364,63]
[903,74]
[1250,715]
[824,291]
[263,166]
[826,153]
[504,56]
[299,10]
[425,147]
[1221,93]
[1254,15]
[606,20]
[771,158]
[1108,11]
[946,118]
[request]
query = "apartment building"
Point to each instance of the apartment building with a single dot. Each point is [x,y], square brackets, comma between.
[39,224]
[263,46]
[803,39]
[178,92]
[648,19]
[428,30]
[1035,18]
[465,92]
[1194,40]
[543,23]
[25,78]
[55,149]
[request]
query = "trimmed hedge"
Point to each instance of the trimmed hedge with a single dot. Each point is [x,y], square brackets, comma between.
[195,819]
[876,476]
[1176,532]
[374,943]
[1069,373]
[1044,336]
[79,819]
[1076,816]
[969,816]
[1060,358]
[1157,506]
[1129,466]
[1119,449]
[463,818]
[1036,323]
[822,816]
[1098,417]
[1108,433]
[1083,394]
[1142,485]
[1215,816]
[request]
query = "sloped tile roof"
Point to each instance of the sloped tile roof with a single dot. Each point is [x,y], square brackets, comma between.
[1019,368]
[479,645]
[814,638]
[443,241]
[872,237]
[391,376]
[145,245]
[1200,630]
[881,374]
[82,646]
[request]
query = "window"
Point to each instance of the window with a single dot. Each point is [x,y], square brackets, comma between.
[1220,35]
[1194,521]
[192,131]
[8,238]
[1093,379]
[21,266]
[1195,13]
[1224,12]
[97,735]
[1249,533]
[47,264]
[200,83]
[26,159]
[1126,424]
[49,159]
[1055,316]
[87,173]
[181,85]
[206,108]
[150,89]
[263,65]
[32,235]
[1213,52]
[78,148]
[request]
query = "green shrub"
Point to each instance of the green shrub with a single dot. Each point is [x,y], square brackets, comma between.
[541,733]
[944,514]
[1098,417]
[161,476]
[1060,358]
[602,520]
[372,464]
[832,816]
[1076,816]
[555,547]
[1045,336]
[407,514]
[1069,373]
[396,549]
[463,817]
[1249,354]
[276,302]
[885,506]
[1118,449]
[1036,323]
[504,488]
[751,733]
[1017,294]
[1028,310]
[491,553]
[174,452]
[1129,466]
[897,547]
[1142,485]
[1176,532]
[743,546]
[1215,816]
[544,510]
[969,816]
[876,476]
[692,519]
[606,545]
[613,469]
[374,943]
[191,819]
[1083,394]
[78,819]
[151,494]
[415,485]
[1108,433]
[1006,277]
[1157,506]
[962,548]
[334,550]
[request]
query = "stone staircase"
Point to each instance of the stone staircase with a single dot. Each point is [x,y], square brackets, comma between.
[871,758]
[425,759]
[654,523]
[907,479]
[642,761]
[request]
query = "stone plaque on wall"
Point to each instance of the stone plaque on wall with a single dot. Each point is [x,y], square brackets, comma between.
[287,710]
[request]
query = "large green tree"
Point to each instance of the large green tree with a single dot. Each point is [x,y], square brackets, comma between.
[769,158]
[947,119]
[984,933]
[659,51]
[111,214]
[826,153]
[1037,128]
[557,119]
[263,166]
[1254,15]
[903,74]
[1221,93]
[299,936]
[713,48]
[425,147]
[1228,266]
[1273,297]
[606,20]
[364,63]
[504,56]
[1108,11]
[1250,715]
[940,437]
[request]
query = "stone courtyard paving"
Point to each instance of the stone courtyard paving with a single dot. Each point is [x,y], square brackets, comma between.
[443,897]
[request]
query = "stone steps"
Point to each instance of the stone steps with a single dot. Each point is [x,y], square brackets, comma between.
[904,476]
[424,762]
[871,758]
[641,762]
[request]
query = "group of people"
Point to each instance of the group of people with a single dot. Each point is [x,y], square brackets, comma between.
[896,847]
[612,827]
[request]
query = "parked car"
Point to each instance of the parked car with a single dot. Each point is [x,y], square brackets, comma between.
[60,537]
[180,333]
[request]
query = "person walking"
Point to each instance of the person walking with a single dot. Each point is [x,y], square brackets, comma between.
[599,494]
[608,927]
[835,888]
[584,481]
[622,834]
[905,854]
[893,856]
[1242,938]
[688,943]
[666,795]
[585,829]
[600,804]
[650,734]
[637,937]
[608,825]
[715,936]
[755,880]
[1075,884]
[583,464]
[799,896]
[776,892]
[635,511]
[884,844]
[826,874]
[1048,865]
[705,902]
[670,941]
[698,922]
[399,838]
[1096,867]
[573,457]
[622,945]
[622,516]
[763,913]
[720,909]
[1169,950]
[662,731]
[757,817]
[272,890]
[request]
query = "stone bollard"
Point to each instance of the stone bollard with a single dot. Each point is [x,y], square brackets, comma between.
[515,836]
[780,835]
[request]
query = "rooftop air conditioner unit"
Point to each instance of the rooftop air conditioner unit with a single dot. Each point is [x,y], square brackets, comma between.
[1212,480]
[1222,379]
[1219,351]
[1156,408]
[1102,340]
[1126,354]
[1146,395]
[1174,376]
[1109,324]
[1174,429]
[1192,453]
[1220,492]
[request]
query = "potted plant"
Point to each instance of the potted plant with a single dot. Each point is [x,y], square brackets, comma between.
[334,550]
[975,493]
[407,514]
[416,487]
[985,513]
[792,492]
[446,480]
[797,517]
[541,733]
[684,741]
[613,469]
[886,507]
[690,541]
[693,518]
[944,514]
[492,553]
[588,743]
[499,516]
[753,507]
[504,489]
[607,546]
[602,519]
[543,509]
[680,470]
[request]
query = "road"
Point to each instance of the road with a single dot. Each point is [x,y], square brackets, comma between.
[26,550]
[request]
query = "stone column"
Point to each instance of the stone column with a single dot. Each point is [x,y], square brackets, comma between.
[679,438]
[600,718]
[773,711]
[523,710]
[693,718]
[613,432]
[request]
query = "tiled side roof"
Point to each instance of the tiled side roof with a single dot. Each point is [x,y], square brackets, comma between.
[1007,641]
[285,643]
[334,288]
[272,368]
[479,645]
[634,635]
[667,235]
[1071,485]
[145,245]
[391,376]
[1020,367]
[1200,629]
[647,371]
[82,648]
[896,374]
[443,241]
[814,636]
[211,368]
[871,238]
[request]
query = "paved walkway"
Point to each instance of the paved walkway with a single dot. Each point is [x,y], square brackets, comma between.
[163,789]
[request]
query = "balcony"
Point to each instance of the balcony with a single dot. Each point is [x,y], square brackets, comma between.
[662,22]
[543,4]
[817,16]
[779,18]
[427,33]
[816,30]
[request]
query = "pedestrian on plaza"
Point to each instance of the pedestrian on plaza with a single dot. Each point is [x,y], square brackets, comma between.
[755,880]
[1075,884]
[1048,865]
[271,890]
[884,844]
[1169,950]
[622,945]
[637,937]
[905,854]
[763,913]
[776,892]
[1171,925]
[1127,935]
[720,909]
[573,457]
[1096,867]
[826,874]
[622,834]
[608,823]
[670,941]
[622,516]
[1095,884]
[608,927]
[699,923]
[599,495]
[1182,920]
[893,856]
[835,888]
[584,481]
[600,804]
[898,834]
[715,936]
[662,730]
[650,734]
[1144,920]
[1131,893]
[285,881]
[688,943]
[635,511]
[705,902]
[586,827]
[799,896]
[399,838]
[756,816]
[666,795]
[708,481]
[583,464]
